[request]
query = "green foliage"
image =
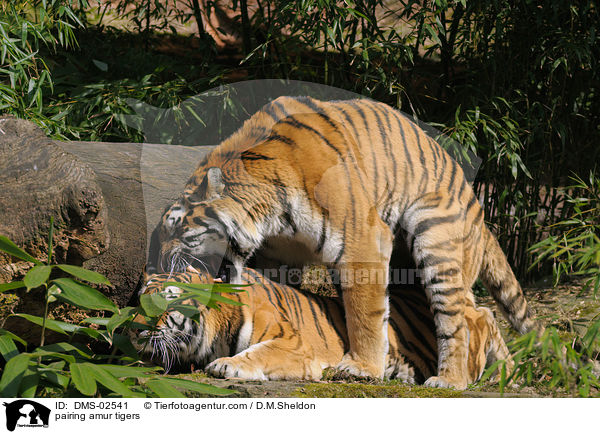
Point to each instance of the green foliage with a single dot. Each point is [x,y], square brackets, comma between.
[72,369]
[553,362]
[573,244]
[28,29]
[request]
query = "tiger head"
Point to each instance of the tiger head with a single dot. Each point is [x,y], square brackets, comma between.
[194,232]
[174,338]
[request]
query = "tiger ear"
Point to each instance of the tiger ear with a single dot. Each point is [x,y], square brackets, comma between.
[214,182]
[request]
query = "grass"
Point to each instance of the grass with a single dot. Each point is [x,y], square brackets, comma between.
[384,390]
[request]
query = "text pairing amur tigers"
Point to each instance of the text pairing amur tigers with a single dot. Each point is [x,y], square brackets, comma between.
[307,181]
[284,333]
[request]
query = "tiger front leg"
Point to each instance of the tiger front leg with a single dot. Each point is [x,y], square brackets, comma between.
[276,359]
[366,304]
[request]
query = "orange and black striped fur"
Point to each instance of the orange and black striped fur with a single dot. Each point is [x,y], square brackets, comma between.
[286,333]
[306,181]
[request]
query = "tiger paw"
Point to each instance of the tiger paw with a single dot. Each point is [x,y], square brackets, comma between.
[349,367]
[445,383]
[229,367]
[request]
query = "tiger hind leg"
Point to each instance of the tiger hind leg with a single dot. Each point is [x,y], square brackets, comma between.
[436,234]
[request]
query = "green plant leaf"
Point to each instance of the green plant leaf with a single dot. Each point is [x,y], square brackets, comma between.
[14,337]
[121,371]
[163,389]
[198,387]
[83,274]
[189,311]
[8,349]
[96,320]
[119,318]
[109,381]
[52,354]
[149,305]
[54,376]
[29,382]
[13,374]
[11,248]
[83,296]
[11,285]
[37,276]
[83,378]
[56,326]
[124,344]
[67,348]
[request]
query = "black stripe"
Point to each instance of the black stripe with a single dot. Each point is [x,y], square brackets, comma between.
[268,110]
[323,309]
[451,336]
[446,291]
[385,111]
[314,315]
[291,120]
[340,329]
[284,291]
[361,113]
[425,323]
[298,302]
[445,157]
[385,142]
[426,224]
[280,334]
[424,174]
[452,179]
[260,338]
[343,248]
[323,231]
[435,157]
[281,108]
[278,298]
[283,139]
[253,156]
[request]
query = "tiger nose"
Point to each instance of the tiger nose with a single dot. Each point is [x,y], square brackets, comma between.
[188,239]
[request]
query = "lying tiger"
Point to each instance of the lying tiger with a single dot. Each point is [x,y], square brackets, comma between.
[286,333]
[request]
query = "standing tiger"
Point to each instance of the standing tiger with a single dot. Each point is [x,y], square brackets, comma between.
[307,181]
[283,333]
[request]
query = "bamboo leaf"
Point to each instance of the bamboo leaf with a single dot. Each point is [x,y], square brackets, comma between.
[150,308]
[83,296]
[198,387]
[11,285]
[109,381]
[83,274]
[83,378]
[37,276]
[163,389]
[11,248]
[13,374]
[8,349]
